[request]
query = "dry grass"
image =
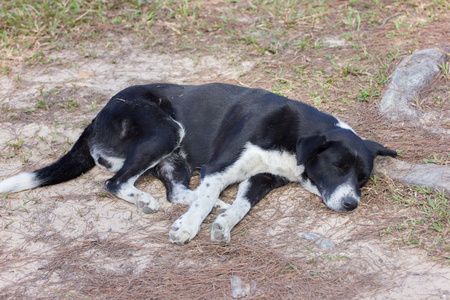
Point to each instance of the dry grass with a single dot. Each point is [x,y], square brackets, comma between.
[142,264]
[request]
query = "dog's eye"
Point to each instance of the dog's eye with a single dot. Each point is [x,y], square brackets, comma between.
[339,166]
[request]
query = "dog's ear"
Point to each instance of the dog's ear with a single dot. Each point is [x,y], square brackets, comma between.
[378,149]
[307,146]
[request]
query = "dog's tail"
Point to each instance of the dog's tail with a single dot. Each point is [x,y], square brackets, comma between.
[76,162]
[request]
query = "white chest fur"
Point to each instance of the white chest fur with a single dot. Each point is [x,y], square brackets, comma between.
[255,160]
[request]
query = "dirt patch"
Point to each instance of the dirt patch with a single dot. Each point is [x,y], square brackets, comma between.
[73,240]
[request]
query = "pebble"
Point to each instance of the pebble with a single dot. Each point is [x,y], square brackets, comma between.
[323,243]
[237,289]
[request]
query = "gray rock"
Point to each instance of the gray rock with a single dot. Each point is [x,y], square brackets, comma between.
[323,243]
[411,75]
[434,176]
[310,236]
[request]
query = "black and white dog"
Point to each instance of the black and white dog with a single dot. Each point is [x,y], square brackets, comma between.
[232,134]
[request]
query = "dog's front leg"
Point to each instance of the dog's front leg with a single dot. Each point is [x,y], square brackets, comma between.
[249,193]
[221,228]
[186,227]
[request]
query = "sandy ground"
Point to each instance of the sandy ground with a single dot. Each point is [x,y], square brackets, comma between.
[36,225]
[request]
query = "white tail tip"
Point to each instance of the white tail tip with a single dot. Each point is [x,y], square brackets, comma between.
[23,181]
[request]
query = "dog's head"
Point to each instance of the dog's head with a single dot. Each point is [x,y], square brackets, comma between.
[336,164]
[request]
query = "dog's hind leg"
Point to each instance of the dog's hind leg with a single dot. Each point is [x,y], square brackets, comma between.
[250,192]
[144,156]
[134,132]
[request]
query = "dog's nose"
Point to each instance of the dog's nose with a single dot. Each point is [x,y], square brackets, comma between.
[350,203]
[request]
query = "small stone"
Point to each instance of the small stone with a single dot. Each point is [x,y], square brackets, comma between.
[325,244]
[236,288]
[310,236]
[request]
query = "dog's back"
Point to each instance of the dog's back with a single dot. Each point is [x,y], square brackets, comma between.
[212,112]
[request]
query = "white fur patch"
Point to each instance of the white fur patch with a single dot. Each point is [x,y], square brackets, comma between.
[255,160]
[20,182]
[344,125]
[182,131]
[310,187]
[115,162]
[345,190]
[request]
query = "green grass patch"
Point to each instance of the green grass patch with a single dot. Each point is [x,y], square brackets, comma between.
[426,222]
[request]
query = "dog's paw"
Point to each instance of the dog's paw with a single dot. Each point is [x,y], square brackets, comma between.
[182,232]
[147,204]
[220,233]
[220,207]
